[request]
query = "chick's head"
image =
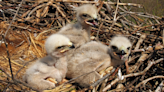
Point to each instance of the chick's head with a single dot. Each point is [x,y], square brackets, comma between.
[57,44]
[120,47]
[87,14]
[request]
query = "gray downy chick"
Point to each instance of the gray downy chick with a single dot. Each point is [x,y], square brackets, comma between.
[79,33]
[94,56]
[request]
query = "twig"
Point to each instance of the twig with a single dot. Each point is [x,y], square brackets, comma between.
[148,79]
[40,6]
[5,72]
[97,35]
[93,2]
[6,87]
[61,12]
[101,80]
[13,18]
[114,20]
[34,44]
[14,62]
[140,41]
[163,36]
[8,56]
[134,74]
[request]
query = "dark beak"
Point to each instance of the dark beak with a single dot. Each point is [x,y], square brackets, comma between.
[67,48]
[71,47]
[123,52]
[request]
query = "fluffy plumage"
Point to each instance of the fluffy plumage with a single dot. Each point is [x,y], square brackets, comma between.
[91,56]
[79,33]
[119,49]
[55,41]
[52,66]
[94,56]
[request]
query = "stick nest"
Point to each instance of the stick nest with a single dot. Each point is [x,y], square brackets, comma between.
[25,25]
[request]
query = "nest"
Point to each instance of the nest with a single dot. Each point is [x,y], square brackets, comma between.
[25,25]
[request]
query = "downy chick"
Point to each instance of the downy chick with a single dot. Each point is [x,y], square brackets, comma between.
[79,33]
[52,66]
[94,56]
[119,50]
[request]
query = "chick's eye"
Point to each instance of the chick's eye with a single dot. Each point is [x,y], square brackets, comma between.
[114,47]
[128,48]
[60,47]
[85,15]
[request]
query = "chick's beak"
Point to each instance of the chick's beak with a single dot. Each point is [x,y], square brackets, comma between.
[68,47]
[92,21]
[121,52]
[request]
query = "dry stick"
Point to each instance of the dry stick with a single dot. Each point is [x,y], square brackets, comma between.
[154,17]
[140,61]
[123,23]
[140,41]
[17,81]
[163,37]
[40,6]
[93,2]
[8,56]
[13,18]
[109,8]
[5,72]
[137,56]
[138,50]
[34,44]
[108,21]
[45,10]
[146,27]
[130,86]
[127,67]
[44,31]
[148,79]
[139,14]
[100,5]
[101,80]
[114,20]
[4,17]
[94,84]
[97,36]
[4,90]
[13,61]
[78,77]
[125,13]
[150,64]
[61,12]
[104,15]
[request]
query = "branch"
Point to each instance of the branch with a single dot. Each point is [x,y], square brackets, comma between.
[145,81]
[13,18]
[8,56]
[151,63]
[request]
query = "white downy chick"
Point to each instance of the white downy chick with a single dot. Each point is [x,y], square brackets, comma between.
[52,66]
